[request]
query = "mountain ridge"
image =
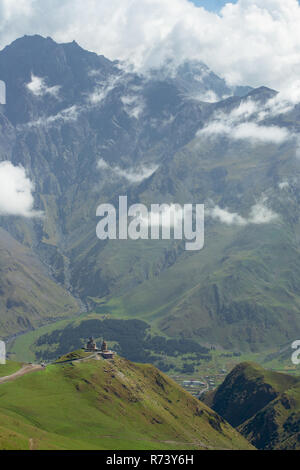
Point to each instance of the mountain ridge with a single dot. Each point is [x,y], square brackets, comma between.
[96,136]
[263,405]
[112,405]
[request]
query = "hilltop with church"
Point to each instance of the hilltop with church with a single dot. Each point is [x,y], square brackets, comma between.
[103,351]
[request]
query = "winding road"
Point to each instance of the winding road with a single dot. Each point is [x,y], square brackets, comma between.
[28,368]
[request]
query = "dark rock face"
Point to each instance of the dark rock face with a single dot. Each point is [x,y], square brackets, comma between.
[263,406]
[266,433]
[239,398]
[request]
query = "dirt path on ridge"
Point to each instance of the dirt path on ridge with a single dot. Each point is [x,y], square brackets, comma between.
[23,371]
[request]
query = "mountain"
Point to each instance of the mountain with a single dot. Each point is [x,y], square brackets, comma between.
[87,131]
[196,81]
[263,405]
[115,405]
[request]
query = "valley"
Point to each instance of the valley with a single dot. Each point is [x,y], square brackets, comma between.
[209,366]
[239,293]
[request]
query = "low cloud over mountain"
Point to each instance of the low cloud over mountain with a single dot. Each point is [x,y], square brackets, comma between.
[173,29]
[16,190]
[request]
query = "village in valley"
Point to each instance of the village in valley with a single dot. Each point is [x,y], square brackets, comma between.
[196,384]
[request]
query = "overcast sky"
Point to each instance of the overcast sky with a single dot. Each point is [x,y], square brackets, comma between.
[253,42]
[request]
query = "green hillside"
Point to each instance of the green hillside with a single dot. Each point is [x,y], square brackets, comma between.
[97,404]
[241,290]
[9,368]
[29,297]
[263,405]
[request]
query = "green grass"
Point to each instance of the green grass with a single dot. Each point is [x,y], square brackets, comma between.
[29,296]
[22,347]
[278,381]
[237,293]
[9,368]
[75,355]
[107,405]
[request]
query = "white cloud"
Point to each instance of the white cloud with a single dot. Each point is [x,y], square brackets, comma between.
[247,131]
[251,42]
[244,122]
[102,165]
[102,90]
[246,109]
[259,214]
[251,108]
[16,191]
[65,115]
[38,87]
[252,131]
[94,99]
[284,185]
[208,96]
[225,216]
[134,105]
[133,175]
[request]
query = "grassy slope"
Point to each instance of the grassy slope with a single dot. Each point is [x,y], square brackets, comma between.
[247,389]
[230,294]
[29,297]
[9,368]
[241,290]
[277,425]
[23,347]
[264,406]
[75,355]
[107,405]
